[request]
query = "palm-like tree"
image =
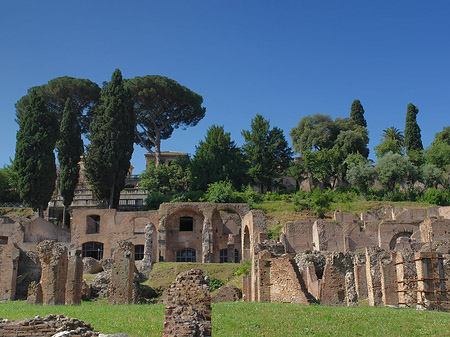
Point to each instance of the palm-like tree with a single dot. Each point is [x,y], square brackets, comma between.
[394,134]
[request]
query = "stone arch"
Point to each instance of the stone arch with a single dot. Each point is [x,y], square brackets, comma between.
[403,234]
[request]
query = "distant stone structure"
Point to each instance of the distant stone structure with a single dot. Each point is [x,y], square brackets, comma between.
[188,308]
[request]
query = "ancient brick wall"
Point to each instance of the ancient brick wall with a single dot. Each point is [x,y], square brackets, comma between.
[9,258]
[188,309]
[53,258]
[74,278]
[298,235]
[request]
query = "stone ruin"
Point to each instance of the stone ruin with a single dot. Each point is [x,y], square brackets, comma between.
[9,259]
[188,308]
[122,274]
[46,326]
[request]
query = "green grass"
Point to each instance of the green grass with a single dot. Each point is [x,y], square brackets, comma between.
[164,273]
[252,319]
[358,207]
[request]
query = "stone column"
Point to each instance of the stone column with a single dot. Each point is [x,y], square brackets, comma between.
[359,261]
[319,236]
[389,279]
[207,241]
[146,263]
[53,258]
[9,260]
[230,249]
[122,274]
[34,295]
[373,275]
[263,276]
[74,278]
[162,239]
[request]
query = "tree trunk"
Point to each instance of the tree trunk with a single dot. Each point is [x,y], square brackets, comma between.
[157,149]
[111,196]
[41,211]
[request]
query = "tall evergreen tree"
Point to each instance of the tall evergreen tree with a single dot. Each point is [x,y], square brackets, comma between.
[218,158]
[112,136]
[413,139]
[357,113]
[70,149]
[35,160]
[267,152]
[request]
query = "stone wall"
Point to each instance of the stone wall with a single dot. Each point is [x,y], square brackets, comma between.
[53,258]
[9,258]
[74,278]
[188,309]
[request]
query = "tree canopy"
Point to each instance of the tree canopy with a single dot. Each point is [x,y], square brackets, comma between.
[112,138]
[83,95]
[357,113]
[267,152]
[413,139]
[161,106]
[35,160]
[70,148]
[217,158]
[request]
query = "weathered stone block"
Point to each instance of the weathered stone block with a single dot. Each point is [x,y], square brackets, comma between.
[122,274]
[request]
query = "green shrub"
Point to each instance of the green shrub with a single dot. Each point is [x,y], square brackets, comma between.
[437,197]
[244,268]
[221,191]
[319,201]
[215,283]
[276,196]
[274,232]
[155,199]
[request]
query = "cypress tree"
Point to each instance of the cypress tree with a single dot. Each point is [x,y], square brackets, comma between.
[70,149]
[34,159]
[357,113]
[413,139]
[112,137]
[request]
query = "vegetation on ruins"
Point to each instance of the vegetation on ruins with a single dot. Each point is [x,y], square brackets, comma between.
[111,141]
[162,105]
[266,151]
[83,94]
[218,158]
[34,160]
[9,184]
[70,148]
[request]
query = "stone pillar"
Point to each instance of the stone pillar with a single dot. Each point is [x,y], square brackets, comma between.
[263,276]
[146,263]
[373,274]
[162,239]
[53,258]
[230,249]
[9,260]
[207,241]
[34,295]
[359,262]
[319,236]
[389,284]
[188,309]
[74,278]
[122,274]
[406,279]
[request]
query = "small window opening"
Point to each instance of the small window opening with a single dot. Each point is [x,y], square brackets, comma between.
[92,249]
[3,240]
[93,224]
[186,224]
[223,256]
[138,252]
[186,255]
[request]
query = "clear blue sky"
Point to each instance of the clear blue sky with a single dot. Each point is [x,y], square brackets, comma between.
[282,59]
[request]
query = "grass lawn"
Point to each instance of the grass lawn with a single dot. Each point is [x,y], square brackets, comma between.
[253,319]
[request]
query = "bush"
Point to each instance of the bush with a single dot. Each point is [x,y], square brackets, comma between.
[244,268]
[437,197]
[215,283]
[274,232]
[155,199]
[221,191]
[189,196]
[319,201]
[276,196]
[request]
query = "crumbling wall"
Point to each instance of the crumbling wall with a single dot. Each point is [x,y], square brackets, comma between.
[53,258]
[9,258]
[298,235]
[74,278]
[46,326]
[188,309]
[338,281]
[122,274]
[373,275]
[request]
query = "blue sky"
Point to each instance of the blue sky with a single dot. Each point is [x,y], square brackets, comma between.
[282,59]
